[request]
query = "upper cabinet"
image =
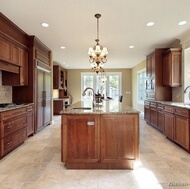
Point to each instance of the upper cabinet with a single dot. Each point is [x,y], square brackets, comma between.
[59,78]
[14,54]
[20,57]
[154,88]
[172,67]
[150,65]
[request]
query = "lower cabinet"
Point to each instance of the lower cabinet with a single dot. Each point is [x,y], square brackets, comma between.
[13,129]
[173,121]
[100,141]
[119,138]
[160,118]
[181,128]
[169,125]
[82,136]
[153,114]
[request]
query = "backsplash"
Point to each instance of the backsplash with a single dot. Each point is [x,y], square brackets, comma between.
[5,92]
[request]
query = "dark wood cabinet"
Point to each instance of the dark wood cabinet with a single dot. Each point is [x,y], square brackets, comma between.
[154,85]
[172,67]
[153,114]
[12,129]
[169,121]
[5,50]
[147,111]
[150,65]
[20,79]
[160,117]
[181,127]
[60,78]
[39,89]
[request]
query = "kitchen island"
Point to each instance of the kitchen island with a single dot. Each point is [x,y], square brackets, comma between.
[102,137]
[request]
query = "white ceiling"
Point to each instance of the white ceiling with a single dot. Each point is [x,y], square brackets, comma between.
[123,23]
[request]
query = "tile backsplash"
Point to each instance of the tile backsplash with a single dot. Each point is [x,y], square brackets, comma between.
[5,92]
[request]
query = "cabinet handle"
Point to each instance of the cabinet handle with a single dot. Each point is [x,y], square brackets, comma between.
[10,126]
[90,123]
[10,142]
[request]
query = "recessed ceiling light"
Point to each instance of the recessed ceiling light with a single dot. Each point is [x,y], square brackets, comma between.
[45,24]
[182,23]
[150,24]
[131,46]
[62,47]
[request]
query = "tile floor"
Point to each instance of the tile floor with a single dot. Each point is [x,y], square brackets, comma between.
[37,165]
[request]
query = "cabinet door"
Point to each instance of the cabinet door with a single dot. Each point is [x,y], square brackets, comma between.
[181,131]
[119,138]
[81,135]
[172,68]
[149,66]
[24,67]
[167,69]
[16,55]
[160,120]
[153,117]
[168,125]
[147,114]
[5,50]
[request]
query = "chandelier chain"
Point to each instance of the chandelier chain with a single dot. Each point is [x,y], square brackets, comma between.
[98,28]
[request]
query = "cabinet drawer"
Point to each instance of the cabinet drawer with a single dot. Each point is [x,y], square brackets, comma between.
[12,125]
[168,109]
[160,106]
[30,108]
[12,113]
[146,103]
[12,141]
[153,104]
[181,111]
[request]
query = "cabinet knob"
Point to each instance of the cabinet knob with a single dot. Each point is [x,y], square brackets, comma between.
[90,123]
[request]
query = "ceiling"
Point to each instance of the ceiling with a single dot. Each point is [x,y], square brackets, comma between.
[123,23]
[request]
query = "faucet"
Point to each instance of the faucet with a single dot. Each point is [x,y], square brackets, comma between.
[94,99]
[186,89]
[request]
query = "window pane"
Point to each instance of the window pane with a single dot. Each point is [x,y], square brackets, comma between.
[114,86]
[88,82]
[109,87]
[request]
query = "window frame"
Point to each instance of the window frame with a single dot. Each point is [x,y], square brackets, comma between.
[138,90]
[95,81]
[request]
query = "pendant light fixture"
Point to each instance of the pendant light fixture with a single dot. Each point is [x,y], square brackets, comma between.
[97,54]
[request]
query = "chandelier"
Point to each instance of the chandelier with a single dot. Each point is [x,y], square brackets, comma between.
[97,54]
[103,77]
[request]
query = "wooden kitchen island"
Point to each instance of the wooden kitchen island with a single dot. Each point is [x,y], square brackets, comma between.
[103,137]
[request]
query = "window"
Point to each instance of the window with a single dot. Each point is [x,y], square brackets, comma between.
[109,88]
[141,75]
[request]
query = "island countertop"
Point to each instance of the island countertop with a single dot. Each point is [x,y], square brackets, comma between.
[106,107]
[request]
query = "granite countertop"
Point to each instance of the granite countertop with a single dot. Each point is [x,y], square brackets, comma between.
[171,103]
[15,107]
[106,107]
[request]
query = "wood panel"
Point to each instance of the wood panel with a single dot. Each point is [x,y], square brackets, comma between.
[82,139]
[119,138]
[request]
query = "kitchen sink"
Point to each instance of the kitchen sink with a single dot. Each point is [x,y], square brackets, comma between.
[82,108]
